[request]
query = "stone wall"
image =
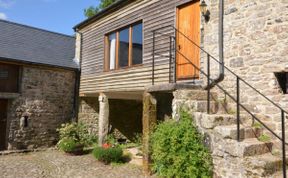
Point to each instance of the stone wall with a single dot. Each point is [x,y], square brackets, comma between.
[248,158]
[89,113]
[255,46]
[46,100]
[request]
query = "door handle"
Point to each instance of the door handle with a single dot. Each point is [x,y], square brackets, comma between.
[179,47]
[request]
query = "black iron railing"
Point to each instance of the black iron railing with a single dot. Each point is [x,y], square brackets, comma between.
[173,79]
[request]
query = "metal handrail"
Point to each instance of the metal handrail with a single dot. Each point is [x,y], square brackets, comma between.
[216,60]
[209,80]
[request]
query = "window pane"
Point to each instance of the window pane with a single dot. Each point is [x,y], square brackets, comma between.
[112,51]
[123,47]
[137,40]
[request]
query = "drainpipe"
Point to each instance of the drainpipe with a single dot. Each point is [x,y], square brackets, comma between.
[221,46]
[76,95]
[77,83]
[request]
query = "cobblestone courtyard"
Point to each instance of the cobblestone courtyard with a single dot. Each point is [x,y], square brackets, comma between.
[55,164]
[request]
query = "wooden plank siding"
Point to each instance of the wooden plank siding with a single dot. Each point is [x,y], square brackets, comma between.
[154,14]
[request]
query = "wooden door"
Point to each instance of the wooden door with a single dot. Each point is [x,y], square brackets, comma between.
[188,23]
[3,123]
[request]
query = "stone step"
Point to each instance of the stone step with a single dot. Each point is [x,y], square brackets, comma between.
[247,147]
[230,132]
[197,94]
[201,106]
[209,121]
[264,165]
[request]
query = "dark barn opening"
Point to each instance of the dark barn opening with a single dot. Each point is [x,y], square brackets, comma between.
[125,118]
[282,78]
[164,105]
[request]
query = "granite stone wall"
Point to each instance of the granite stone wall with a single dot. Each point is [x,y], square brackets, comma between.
[45,102]
[255,47]
[89,113]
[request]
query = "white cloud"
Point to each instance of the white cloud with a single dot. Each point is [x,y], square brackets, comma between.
[3,16]
[6,3]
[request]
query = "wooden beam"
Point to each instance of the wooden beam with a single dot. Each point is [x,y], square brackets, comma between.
[130,47]
[106,53]
[117,50]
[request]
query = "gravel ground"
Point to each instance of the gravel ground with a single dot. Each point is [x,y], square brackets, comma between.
[55,164]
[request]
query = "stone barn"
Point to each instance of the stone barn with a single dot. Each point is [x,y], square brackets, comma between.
[38,82]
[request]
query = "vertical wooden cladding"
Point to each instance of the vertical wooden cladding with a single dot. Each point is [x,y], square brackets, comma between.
[153,14]
[188,22]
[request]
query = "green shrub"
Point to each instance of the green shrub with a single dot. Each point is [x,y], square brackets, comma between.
[108,155]
[178,150]
[76,132]
[67,144]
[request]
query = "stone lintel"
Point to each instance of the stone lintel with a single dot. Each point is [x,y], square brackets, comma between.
[172,87]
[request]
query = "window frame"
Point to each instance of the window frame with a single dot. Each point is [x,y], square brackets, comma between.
[130,50]
[18,78]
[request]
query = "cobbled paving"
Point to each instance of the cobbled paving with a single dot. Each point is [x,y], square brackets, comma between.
[55,164]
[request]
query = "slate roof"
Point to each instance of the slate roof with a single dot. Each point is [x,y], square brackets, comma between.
[27,44]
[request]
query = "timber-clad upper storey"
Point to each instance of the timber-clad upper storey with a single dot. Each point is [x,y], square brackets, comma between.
[153,14]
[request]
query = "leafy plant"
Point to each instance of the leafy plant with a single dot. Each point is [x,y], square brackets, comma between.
[111,139]
[108,155]
[90,11]
[178,150]
[74,135]
[257,125]
[69,145]
[264,138]
[138,139]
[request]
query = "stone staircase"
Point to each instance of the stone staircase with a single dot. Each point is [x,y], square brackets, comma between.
[247,158]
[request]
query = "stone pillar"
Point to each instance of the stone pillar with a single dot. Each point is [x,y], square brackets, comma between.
[149,121]
[103,118]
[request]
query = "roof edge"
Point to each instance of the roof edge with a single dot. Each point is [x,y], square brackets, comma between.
[118,4]
[38,63]
[36,28]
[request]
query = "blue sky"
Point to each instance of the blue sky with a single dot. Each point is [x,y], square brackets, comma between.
[54,15]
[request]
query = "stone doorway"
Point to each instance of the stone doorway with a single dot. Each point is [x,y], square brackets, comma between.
[3,123]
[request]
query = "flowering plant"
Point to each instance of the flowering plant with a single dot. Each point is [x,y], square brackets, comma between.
[106,145]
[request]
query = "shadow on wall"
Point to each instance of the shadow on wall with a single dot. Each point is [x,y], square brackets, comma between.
[164,105]
[125,118]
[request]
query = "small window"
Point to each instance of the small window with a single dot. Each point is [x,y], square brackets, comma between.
[282,79]
[137,44]
[124,47]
